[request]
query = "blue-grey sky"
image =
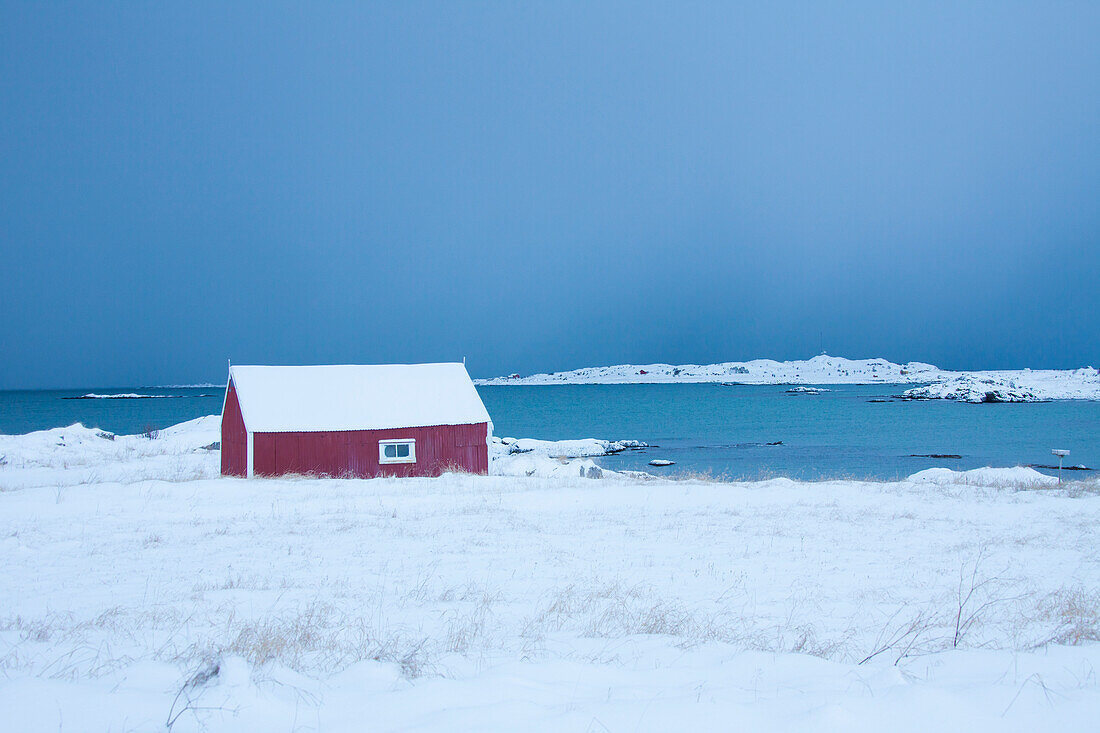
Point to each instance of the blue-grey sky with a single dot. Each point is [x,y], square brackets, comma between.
[538,186]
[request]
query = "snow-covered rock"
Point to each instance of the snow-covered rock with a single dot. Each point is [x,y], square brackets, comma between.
[974,390]
[532,457]
[582,448]
[1016,386]
[543,466]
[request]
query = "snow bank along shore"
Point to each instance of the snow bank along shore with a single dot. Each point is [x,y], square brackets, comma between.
[1024,385]
[142,589]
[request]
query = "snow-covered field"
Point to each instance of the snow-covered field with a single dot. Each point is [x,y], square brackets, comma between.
[142,591]
[1023,385]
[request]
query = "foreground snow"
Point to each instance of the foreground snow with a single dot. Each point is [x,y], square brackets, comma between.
[1024,385]
[134,597]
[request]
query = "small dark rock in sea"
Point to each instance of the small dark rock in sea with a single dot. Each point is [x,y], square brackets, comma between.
[878,399]
[935,455]
[1055,468]
[778,442]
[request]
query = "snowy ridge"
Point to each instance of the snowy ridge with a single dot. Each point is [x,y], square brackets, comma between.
[1021,385]
[1017,477]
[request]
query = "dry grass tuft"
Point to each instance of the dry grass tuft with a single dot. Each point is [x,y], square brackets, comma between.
[1075,614]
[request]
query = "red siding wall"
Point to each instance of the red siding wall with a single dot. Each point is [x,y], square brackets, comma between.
[234,438]
[355,453]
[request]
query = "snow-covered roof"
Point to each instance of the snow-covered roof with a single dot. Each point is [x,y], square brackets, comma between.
[355,397]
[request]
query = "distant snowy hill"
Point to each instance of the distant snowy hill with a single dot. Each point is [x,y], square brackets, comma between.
[1023,385]
[818,370]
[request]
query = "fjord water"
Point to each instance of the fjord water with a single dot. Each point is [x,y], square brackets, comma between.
[724,430]
[24,411]
[705,428]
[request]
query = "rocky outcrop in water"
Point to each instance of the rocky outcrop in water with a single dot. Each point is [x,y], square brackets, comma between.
[974,390]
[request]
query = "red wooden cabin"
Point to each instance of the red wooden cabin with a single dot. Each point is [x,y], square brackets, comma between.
[351,420]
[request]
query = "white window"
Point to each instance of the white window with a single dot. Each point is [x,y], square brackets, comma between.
[397,451]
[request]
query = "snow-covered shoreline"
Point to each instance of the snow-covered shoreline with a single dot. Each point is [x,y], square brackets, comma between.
[1018,385]
[141,588]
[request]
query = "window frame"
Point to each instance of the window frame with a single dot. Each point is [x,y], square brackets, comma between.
[384,460]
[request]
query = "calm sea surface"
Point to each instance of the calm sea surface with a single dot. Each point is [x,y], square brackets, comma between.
[704,428]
